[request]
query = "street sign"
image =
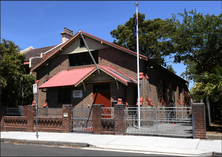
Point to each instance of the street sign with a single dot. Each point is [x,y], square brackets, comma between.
[34,88]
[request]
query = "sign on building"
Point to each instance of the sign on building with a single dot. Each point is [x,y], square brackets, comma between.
[77,94]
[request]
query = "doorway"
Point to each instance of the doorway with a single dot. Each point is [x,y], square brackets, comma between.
[101,95]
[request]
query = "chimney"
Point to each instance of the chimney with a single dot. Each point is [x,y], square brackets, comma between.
[66,35]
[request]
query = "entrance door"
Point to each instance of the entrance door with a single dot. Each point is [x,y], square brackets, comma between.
[101,95]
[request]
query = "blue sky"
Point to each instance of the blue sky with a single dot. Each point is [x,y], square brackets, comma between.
[39,23]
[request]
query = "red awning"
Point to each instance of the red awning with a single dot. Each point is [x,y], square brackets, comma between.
[76,76]
[116,74]
[68,78]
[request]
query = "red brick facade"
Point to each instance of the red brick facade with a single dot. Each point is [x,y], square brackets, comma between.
[199,120]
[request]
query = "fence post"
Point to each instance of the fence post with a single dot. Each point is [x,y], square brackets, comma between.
[2,112]
[199,120]
[30,118]
[97,117]
[119,119]
[66,118]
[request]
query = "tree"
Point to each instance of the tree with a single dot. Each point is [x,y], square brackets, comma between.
[209,84]
[12,75]
[170,68]
[198,41]
[154,37]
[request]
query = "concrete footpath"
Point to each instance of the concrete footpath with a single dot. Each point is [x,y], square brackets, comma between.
[177,146]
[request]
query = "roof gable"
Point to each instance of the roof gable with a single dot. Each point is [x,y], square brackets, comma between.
[74,47]
[74,38]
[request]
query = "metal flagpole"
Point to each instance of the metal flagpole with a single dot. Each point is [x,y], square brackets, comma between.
[138,80]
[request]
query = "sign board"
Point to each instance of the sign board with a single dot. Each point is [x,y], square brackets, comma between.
[34,88]
[77,94]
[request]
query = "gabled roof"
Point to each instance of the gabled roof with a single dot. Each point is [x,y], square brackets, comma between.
[76,76]
[75,37]
[36,52]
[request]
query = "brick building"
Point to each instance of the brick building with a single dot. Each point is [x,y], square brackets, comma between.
[66,74]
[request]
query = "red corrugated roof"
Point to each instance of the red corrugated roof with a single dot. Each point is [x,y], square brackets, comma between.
[74,77]
[119,76]
[68,78]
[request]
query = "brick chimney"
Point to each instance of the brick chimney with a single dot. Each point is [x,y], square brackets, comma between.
[66,35]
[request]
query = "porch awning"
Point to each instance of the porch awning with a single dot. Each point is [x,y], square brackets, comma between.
[76,76]
[68,78]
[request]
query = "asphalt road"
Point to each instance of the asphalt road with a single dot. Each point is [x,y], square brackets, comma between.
[10,149]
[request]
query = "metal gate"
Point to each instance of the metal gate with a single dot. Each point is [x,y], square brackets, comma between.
[162,121]
[81,120]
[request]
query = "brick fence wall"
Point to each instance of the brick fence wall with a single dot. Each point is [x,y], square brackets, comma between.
[46,124]
[101,125]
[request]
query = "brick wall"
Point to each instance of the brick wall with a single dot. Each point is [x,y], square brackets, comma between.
[169,82]
[199,120]
[119,119]
[122,61]
[55,65]
[97,117]
[87,99]
[117,93]
[66,120]
[14,123]
[30,118]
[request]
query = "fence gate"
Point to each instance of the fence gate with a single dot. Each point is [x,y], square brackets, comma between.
[81,120]
[162,121]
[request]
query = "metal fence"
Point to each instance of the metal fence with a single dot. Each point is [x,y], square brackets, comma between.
[81,120]
[49,112]
[15,111]
[162,121]
[108,112]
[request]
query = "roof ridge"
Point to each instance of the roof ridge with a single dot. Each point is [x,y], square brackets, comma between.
[114,44]
[92,36]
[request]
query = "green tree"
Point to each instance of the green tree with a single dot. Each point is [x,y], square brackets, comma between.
[198,42]
[170,68]
[209,84]
[154,37]
[12,78]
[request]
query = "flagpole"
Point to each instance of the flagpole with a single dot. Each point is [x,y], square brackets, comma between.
[137,50]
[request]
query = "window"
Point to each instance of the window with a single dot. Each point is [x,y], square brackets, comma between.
[81,44]
[82,58]
[64,96]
